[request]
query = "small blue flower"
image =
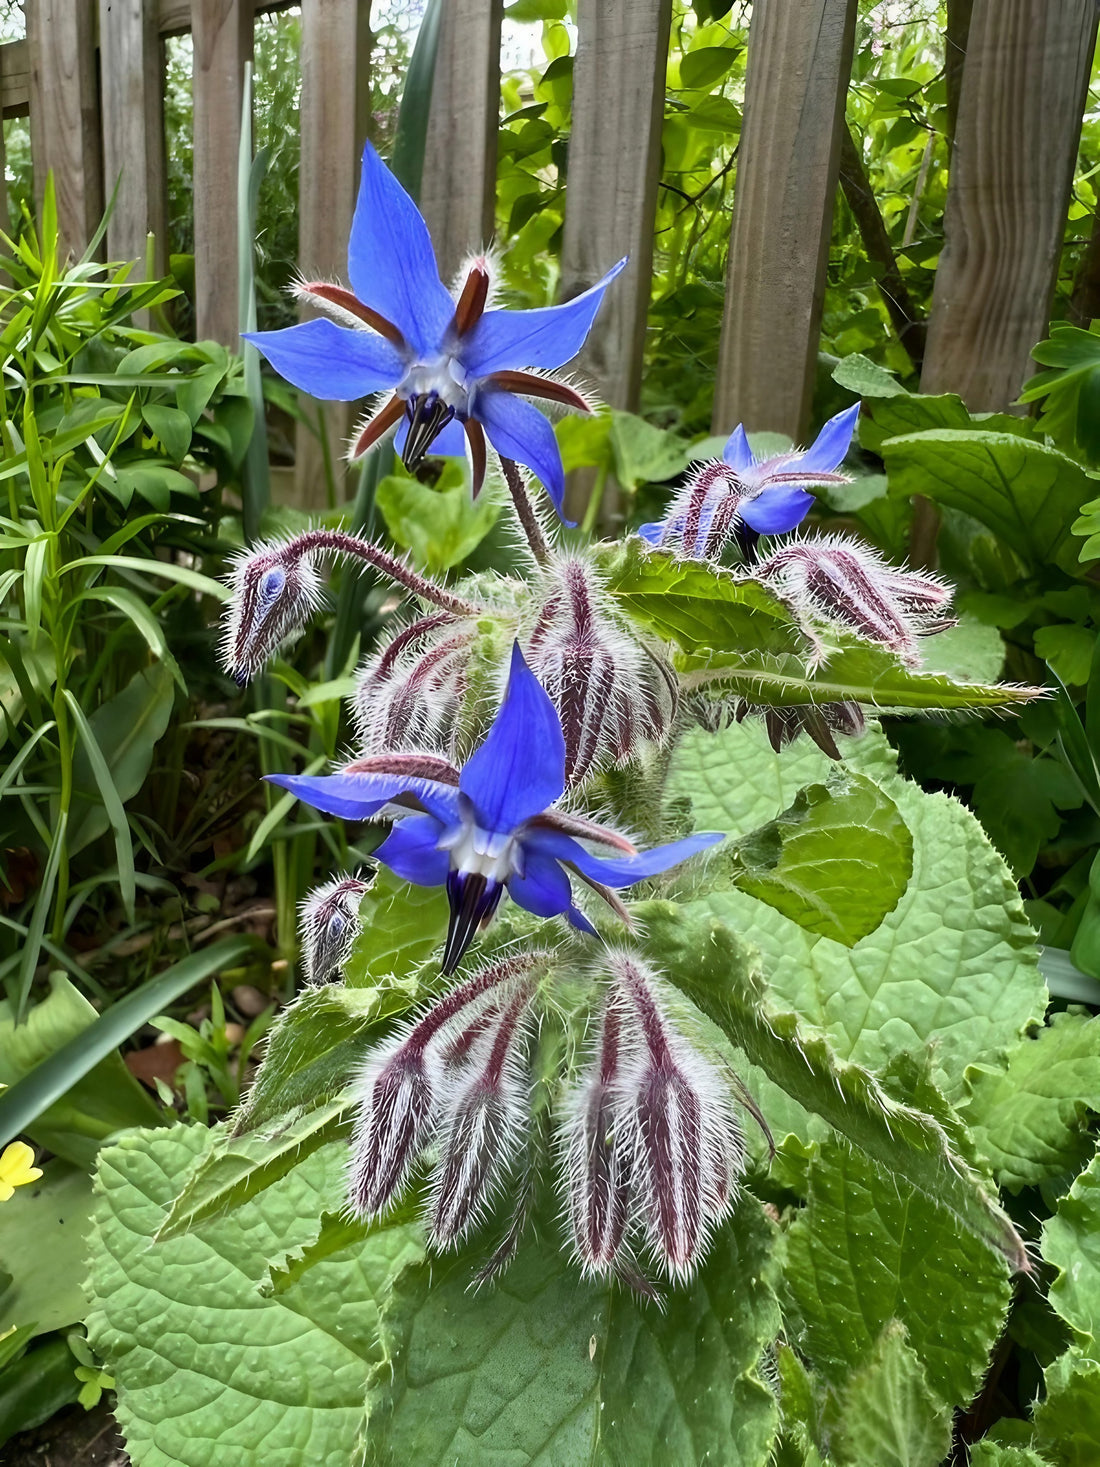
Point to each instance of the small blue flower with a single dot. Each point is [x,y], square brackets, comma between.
[452,365]
[490,827]
[769,496]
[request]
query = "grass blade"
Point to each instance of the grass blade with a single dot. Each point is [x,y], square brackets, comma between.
[112,803]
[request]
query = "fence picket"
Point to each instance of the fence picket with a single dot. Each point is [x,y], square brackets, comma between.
[64,111]
[799,61]
[222,31]
[1023,94]
[132,71]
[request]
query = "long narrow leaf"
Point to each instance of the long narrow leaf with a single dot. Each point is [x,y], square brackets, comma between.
[132,606]
[411,136]
[163,568]
[112,803]
[12,771]
[37,926]
[34,575]
[278,812]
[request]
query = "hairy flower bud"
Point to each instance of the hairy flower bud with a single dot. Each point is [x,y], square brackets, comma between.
[329,924]
[610,690]
[274,590]
[408,695]
[847,584]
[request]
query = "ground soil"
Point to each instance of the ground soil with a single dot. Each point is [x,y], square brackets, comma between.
[72,1438]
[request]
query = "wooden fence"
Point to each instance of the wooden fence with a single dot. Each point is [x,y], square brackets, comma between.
[91,76]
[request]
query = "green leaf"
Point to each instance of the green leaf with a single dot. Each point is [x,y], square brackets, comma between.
[546,1369]
[972,652]
[1067,1423]
[888,1415]
[1071,1243]
[131,605]
[112,805]
[1026,493]
[182,574]
[441,525]
[704,66]
[35,1387]
[42,1247]
[1067,650]
[992,1454]
[402,927]
[206,1366]
[863,1252]
[1030,1116]
[645,454]
[835,862]
[172,427]
[90,1098]
[954,963]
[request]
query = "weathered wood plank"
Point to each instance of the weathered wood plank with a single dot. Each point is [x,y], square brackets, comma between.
[174,16]
[222,31]
[458,186]
[64,106]
[335,60]
[133,127]
[15,78]
[1020,109]
[5,217]
[611,198]
[800,55]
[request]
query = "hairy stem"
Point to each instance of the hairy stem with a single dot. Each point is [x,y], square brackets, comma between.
[525,510]
[339,542]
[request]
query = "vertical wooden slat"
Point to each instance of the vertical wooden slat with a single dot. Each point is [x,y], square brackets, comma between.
[5,215]
[64,114]
[611,191]
[799,61]
[335,39]
[222,38]
[1023,95]
[458,185]
[133,127]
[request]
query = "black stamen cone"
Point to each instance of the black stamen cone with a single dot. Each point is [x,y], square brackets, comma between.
[473,900]
[428,416]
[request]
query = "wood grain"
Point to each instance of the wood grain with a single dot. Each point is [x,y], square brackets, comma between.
[133,128]
[799,61]
[1016,139]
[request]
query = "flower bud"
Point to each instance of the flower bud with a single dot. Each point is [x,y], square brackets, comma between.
[408,695]
[822,721]
[274,590]
[329,924]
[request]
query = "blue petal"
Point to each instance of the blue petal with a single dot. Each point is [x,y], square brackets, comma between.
[546,338]
[832,443]
[359,796]
[411,851]
[328,361]
[775,511]
[622,870]
[737,452]
[519,431]
[520,768]
[652,533]
[543,888]
[391,263]
[451,441]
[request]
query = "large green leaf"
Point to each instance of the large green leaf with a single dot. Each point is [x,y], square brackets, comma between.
[1071,1243]
[1029,1116]
[1067,1423]
[835,862]
[545,1369]
[208,1369]
[1026,493]
[402,926]
[955,962]
[42,1247]
[441,525]
[864,1252]
[888,1415]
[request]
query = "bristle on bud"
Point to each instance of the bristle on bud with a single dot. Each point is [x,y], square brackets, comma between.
[328,925]
[274,590]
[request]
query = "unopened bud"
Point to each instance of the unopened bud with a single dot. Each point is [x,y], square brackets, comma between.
[329,924]
[409,694]
[274,590]
[822,721]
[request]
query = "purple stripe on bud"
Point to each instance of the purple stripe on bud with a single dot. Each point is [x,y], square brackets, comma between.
[329,918]
[599,1142]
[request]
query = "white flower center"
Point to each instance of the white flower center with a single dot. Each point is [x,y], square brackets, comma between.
[444,375]
[477,852]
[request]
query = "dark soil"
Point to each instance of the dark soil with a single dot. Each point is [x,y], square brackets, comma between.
[72,1438]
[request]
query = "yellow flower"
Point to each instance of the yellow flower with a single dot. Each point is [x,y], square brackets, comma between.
[17,1168]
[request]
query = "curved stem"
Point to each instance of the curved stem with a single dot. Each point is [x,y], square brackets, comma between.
[339,542]
[525,510]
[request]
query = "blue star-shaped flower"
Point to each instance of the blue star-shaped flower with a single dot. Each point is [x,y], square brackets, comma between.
[451,364]
[490,826]
[768,496]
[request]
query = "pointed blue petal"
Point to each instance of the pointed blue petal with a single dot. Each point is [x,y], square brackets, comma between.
[359,796]
[652,533]
[775,511]
[391,263]
[543,888]
[451,441]
[737,452]
[832,443]
[578,920]
[621,870]
[328,361]
[519,431]
[545,338]
[520,768]
[411,851]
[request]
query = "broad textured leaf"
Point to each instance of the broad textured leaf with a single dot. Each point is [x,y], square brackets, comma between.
[1071,1243]
[645,454]
[1030,1117]
[862,1253]
[1023,491]
[42,1246]
[544,1369]
[441,526]
[207,1368]
[888,1415]
[1067,1424]
[955,962]
[993,1454]
[402,926]
[835,862]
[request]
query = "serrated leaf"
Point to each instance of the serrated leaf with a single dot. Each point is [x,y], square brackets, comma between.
[955,962]
[1067,1423]
[1071,1243]
[993,1454]
[835,862]
[545,1369]
[402,926]
[207,1369]
[441,525]
[862,1253]
[887,1414]
[1030,1116]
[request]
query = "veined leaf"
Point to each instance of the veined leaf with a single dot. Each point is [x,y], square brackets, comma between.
[888,1415]
[1071,1243]
[402,926]
[440,525]
[1067,1422]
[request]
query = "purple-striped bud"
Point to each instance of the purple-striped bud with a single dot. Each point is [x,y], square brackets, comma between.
[329,924]
[610,690]
[483,1124]
[274,590]
[822,721]
[848,584]
[690,1150]
[409,694]
[599,1143]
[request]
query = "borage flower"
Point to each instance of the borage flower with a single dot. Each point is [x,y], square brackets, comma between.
[739,497]
[490,826]
[454,368]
